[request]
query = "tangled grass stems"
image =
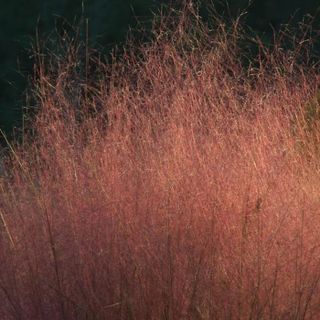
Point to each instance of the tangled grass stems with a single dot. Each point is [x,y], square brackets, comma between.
[173,183]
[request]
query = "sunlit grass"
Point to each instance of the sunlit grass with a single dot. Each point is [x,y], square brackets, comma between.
[175,184]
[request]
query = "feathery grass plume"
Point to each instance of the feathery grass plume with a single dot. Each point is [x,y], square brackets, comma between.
[168,184]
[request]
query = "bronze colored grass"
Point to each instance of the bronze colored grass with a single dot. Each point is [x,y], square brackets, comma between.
[175,183]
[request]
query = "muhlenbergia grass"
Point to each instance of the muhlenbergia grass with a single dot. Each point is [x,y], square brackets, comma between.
[176,182]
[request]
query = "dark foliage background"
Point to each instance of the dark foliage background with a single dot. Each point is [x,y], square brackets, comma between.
[108,21]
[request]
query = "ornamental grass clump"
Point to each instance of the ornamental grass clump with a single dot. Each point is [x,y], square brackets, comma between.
[176,182]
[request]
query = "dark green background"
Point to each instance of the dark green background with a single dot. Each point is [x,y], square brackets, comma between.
[108,24]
